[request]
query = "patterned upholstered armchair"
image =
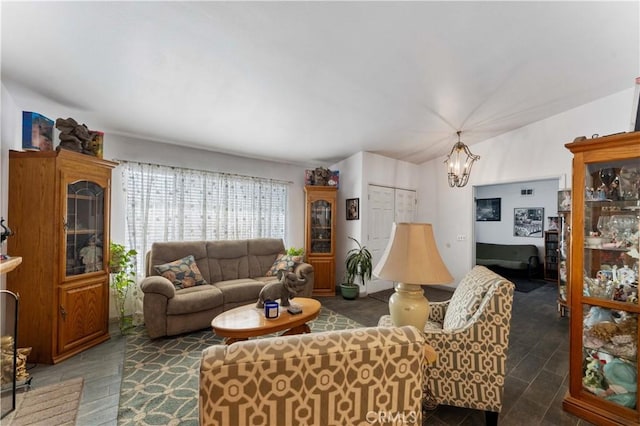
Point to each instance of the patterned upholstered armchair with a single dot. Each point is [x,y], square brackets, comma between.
[347,377]
[470,334]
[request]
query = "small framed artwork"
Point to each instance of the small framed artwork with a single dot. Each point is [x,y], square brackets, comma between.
[488,210]
[528,221]
[553,223]
[564,200]
[353,208]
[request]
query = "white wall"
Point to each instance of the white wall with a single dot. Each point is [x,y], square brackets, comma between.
[9,132]
[530,153]
[545,195]
[350,187]
[356,174]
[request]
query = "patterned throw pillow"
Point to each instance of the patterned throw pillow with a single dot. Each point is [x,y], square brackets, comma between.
[284,262]
[466,299]
[183,273]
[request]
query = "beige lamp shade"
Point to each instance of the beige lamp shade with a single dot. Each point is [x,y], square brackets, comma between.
[412,257]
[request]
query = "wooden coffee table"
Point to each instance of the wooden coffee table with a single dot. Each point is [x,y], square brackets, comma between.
[248,321]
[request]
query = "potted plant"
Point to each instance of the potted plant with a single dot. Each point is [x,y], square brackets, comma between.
[121,265]
[357,264]
[294,251]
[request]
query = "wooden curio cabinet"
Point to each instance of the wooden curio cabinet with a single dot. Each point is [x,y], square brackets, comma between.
[320,227]
[59,204]
[603,374]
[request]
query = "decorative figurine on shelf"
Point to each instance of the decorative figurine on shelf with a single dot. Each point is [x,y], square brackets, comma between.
[321,176]
[91,255]
[6,233]
[77,137]
[287,288]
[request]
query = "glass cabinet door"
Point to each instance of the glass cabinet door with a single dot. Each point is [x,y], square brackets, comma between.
[84,227]
[563,267]
[320,226]
[610,281]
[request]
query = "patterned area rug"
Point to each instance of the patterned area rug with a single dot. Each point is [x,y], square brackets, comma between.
[160,377]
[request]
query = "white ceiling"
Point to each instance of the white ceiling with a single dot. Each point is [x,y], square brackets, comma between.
[314,82]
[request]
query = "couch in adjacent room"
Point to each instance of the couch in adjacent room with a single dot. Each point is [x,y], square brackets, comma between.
[188,283]
[510,257]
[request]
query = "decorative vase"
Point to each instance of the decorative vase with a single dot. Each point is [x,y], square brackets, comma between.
[349,292]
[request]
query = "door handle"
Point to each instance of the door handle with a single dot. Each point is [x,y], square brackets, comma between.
[63,313]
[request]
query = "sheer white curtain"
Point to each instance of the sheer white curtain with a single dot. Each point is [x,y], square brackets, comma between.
[177,204]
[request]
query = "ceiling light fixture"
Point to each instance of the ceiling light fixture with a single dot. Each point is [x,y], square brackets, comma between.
[459,167]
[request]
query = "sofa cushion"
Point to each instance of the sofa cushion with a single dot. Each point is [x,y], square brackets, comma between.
[194,299]
[228,260]
[183,273]
[262,254]
[284,262]
[467,297]
[241,290]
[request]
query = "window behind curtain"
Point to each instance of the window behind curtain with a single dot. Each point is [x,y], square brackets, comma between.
[176,204]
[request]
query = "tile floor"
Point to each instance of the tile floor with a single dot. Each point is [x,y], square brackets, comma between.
[537,364]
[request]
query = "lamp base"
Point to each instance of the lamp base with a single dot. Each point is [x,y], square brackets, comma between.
[409,306]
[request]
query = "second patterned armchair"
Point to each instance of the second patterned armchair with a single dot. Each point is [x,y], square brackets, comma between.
[470,334]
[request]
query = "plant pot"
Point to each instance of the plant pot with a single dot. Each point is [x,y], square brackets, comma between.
[349,292]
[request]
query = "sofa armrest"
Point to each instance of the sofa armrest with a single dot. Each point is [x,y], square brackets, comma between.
[159,285]
[305,270]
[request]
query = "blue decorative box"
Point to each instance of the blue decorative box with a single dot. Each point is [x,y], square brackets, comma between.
[37,132]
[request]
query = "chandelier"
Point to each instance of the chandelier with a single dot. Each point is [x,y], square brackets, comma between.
[459,162]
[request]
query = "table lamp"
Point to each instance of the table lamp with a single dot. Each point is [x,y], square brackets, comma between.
[411,259]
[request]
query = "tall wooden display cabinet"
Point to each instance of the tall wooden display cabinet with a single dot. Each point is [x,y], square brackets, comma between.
[605,246]
[59,204]
[320,244]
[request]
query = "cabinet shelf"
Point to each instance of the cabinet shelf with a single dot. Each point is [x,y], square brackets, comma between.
[9,264]
[80,197]
[82,232]
[621,250]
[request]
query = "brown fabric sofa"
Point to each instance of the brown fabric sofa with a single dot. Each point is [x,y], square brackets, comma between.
[365,376]
[235,274]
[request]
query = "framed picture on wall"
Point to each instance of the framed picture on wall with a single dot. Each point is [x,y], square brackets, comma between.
[528,221]
[564,200]
[553,223]
[488,209]
[353,208]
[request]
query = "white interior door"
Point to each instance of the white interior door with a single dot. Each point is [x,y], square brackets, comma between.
[380,218]
[386,205]
[405,205]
